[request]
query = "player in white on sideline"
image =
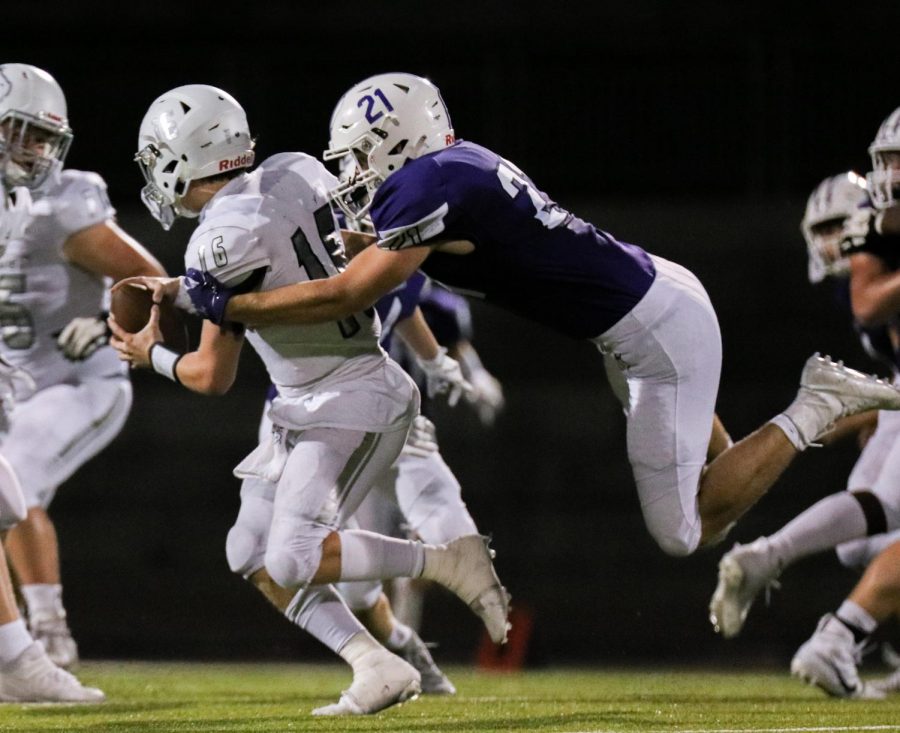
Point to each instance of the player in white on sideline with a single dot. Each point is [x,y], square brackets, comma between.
[343,409]
[59,249]
[26,672]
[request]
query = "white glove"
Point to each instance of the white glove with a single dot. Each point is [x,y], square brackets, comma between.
[422,439]
[486,396]
[444,376]
[82,337]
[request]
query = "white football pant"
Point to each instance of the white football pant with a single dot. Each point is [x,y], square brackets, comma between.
[664,360]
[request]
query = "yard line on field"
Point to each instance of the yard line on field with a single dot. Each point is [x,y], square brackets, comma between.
[815,729]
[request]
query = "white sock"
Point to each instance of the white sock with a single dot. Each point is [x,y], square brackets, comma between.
[788,427]
[14,639]
[826,524]
[400,634]
[858,616]
[370,556]
[357,647]
[322,613]
[43,598]
[408,601]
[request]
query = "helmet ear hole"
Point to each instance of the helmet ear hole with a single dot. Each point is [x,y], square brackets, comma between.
[398,148]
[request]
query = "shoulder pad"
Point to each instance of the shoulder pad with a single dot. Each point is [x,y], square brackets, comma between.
[80,201]
[229,253]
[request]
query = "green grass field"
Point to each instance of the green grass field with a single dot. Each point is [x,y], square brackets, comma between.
[163,697]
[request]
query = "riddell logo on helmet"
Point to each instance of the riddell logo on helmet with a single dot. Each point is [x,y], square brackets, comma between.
[241,161]
[449,139]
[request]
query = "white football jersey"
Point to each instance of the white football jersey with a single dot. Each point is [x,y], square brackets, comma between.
[40,291]
[278,220]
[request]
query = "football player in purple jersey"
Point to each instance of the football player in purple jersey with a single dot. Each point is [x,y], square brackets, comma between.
[475,222]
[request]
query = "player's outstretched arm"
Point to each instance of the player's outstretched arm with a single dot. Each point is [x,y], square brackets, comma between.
[370,275]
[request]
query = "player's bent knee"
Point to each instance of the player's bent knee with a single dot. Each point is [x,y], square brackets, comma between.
[244,551]
[291,569]
[674,543]
[853,555]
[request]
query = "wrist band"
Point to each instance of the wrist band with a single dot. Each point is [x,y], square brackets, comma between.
[164,361]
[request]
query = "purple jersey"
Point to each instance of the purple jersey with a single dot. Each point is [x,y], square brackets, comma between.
[398,305]
[530,256]
[447,314]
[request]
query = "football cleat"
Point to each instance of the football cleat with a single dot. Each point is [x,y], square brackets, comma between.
[53,632]
[743,572]
[845,390]
[434,682]
[888,684]
[829,661]
[382,680]
[889,655]
[32,677]
[464,566]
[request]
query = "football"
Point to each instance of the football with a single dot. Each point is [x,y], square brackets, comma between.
[131,307]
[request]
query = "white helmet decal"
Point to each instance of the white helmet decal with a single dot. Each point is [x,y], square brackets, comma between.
[383,122]
[34,128]
[191,132]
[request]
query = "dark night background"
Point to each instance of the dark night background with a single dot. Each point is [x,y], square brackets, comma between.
[694,129]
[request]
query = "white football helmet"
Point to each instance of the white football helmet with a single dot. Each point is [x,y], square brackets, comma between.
[191,132]
[884,178]
[829,206]
[383,122]
[34,128]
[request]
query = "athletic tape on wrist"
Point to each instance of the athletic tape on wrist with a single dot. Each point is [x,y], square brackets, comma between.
[183,298]
[164,360]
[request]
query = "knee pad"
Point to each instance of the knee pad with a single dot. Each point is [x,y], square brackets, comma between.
[245,546]
[854,555]
[672,530]
[245,551]
[676,546]
[294,566]
[857,554]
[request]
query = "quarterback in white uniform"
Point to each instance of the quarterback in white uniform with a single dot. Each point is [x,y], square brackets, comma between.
[59,247]
[343,409]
